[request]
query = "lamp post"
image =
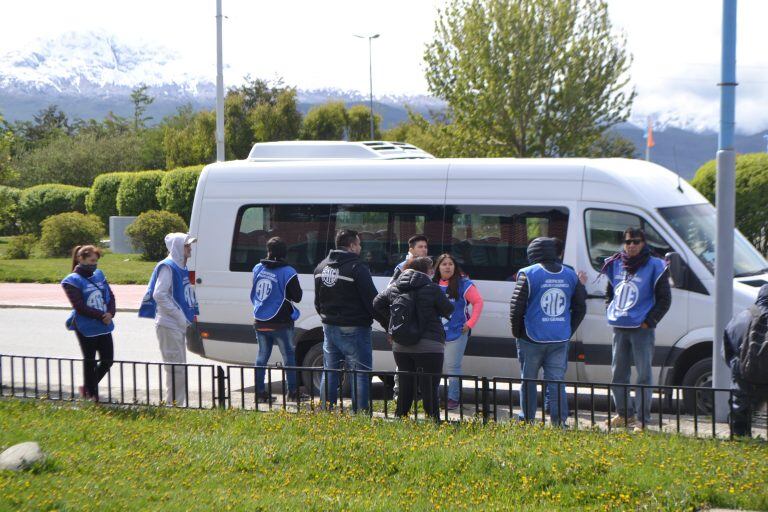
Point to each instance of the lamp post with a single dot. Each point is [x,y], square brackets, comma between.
[370,73]
[219,88]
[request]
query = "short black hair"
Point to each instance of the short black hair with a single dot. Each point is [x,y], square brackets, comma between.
[416,239]
[345,237]
[634,233]
[422,264]
[276,248]
[559,246]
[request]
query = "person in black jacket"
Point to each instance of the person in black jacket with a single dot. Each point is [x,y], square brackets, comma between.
[344,293]
[274,292]
[427,354]
[744,396]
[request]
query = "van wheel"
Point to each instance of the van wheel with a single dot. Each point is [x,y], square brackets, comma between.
[698,375]
[314,359]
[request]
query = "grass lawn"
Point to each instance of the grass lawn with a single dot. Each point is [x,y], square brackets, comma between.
[160,459]
[119,268]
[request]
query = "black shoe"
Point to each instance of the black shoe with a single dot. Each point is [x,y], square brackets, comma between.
[297,396]
[264,397]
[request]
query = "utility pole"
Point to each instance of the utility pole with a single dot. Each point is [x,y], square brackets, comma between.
[370,75]
[726,205]
[219,87]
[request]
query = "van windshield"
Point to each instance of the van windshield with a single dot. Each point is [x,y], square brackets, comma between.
[696,224]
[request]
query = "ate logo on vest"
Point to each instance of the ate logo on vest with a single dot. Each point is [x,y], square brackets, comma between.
[189,295]
[553,302]
[96,301]
[263,289]
[626,295]
[329,276]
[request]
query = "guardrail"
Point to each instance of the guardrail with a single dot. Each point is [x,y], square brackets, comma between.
[482,399]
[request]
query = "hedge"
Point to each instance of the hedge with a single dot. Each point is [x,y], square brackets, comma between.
[147,233]
[41,201]
[138,192]
[102,199]
[177,190]
[62,232]
[9,208]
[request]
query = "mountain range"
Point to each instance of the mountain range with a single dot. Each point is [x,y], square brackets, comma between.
[90,74]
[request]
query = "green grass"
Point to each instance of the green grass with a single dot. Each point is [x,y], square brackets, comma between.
[161,459]
[119,268]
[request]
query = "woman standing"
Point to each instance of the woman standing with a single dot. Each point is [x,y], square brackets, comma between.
[462,293]
[413,299]
[93,309]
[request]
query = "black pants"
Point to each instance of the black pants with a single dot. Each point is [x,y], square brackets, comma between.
[744,400]
[93,372]
[428,384]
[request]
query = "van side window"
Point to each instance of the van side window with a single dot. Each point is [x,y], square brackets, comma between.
[605,232]
[304,228]
[385,230]
[490,242]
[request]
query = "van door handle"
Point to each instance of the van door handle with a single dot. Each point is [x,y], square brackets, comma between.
[198,280]
[595,296]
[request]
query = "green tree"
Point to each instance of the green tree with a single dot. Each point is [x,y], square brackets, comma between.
[325,122]
[189,138]
[751,191]
[359,119]
[238,132]
[529,77]
[437,137]
[7,142]
[279,120]
[141,100]
[48,124]
[611,145]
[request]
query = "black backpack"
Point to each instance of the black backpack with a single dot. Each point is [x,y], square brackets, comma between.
[404,324]
[753,356]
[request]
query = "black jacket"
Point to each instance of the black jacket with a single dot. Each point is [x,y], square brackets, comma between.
[662,299]
[543,251]
[293,293]
[431,303]
[344,290]
[737,329]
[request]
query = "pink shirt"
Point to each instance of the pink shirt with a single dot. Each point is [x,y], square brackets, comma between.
[475,300]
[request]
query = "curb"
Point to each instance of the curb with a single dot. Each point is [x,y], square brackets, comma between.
[67,308]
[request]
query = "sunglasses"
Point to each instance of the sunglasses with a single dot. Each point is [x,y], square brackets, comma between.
[633,241]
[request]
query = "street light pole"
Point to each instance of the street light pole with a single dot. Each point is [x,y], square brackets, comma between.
[726,205]
[370,74]
[219,87]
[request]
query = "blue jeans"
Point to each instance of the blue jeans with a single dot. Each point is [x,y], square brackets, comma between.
[628,345]
[452,357]
[353,344]
[267,339]
[553,357]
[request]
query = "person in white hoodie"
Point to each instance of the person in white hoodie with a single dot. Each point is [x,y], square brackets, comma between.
[170,300]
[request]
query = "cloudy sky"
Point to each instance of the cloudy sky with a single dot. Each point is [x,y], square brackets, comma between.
[675,44]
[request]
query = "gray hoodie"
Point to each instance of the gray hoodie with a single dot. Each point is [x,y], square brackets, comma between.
[169,314]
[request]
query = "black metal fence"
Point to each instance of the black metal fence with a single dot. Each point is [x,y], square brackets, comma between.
[481,399]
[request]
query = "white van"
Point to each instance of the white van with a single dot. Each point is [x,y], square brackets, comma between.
[483,212]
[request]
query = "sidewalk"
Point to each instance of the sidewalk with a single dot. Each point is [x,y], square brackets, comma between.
[51,296]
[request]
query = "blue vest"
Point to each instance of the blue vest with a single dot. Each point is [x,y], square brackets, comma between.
[633,296]
[268,291]
[455,324]
[95,292]
[183,292]
[548,315]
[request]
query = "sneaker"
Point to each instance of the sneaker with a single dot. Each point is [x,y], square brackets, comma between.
[297,396]
[619,421]
[452,404]
[264,397]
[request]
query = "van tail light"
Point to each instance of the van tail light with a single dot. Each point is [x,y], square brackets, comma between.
[192,277]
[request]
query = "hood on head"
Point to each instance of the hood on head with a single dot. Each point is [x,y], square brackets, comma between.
[543,250]
[762,296]
[411,280]
[175,243]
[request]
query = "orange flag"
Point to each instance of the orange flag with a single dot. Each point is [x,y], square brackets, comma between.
[649,139]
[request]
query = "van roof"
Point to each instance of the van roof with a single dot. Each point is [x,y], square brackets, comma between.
[334,149]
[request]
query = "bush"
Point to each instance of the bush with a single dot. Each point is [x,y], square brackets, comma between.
[41,201]
[102,199]
[751,191]
[148,232]
[9,208]
[20,247]
[64,231]
[138,192]
[177,190]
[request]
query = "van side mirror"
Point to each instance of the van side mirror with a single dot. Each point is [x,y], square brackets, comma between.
[677,269]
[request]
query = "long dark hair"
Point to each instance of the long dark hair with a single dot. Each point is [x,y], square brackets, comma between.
[83,251]
[453,282]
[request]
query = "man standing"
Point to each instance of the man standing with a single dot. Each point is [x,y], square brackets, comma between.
[548,304]
[745,348]
[638,296]
[170,300]
[274,291]
[344,293]
[418,247]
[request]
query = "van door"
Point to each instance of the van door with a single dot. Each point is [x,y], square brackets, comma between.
[604,226]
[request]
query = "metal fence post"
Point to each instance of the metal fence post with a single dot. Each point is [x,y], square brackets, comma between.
[486,401]
[222,387]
